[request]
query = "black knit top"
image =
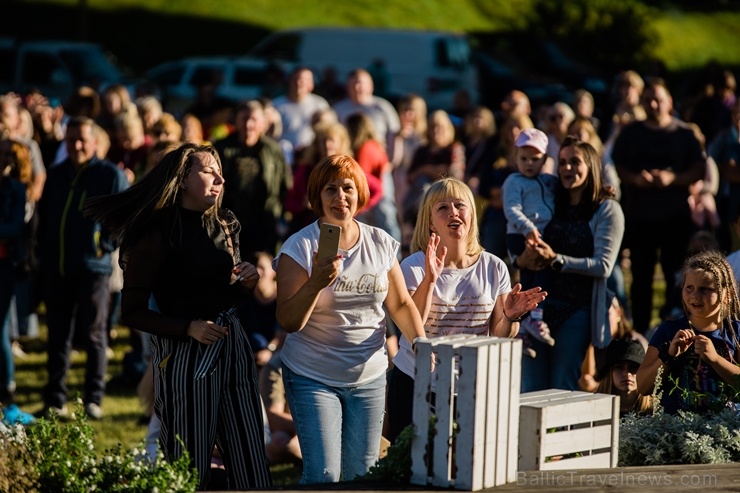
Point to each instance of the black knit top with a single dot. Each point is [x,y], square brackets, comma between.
[184,261]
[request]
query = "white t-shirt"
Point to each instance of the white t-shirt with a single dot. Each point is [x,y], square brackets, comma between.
[296,118]
[381,112]
[462,302]
[343,342]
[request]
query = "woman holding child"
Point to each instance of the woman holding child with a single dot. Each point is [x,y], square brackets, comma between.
[574,258]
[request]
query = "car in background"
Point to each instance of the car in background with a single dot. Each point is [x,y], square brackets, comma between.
[436,65]
[231,79]
[56,68]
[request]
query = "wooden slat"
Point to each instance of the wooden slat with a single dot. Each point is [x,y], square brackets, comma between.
[580,410]
[585,462]
[471,405]
[543,395]
[491,431]
[503,406]
[514,392]
[421,413]
[614,460]
[584,439]
[444,403]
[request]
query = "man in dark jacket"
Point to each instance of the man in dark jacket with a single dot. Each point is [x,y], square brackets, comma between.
[257,180]
[76,264]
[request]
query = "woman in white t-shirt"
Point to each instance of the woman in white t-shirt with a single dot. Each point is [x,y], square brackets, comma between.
[457,287]
[334,360]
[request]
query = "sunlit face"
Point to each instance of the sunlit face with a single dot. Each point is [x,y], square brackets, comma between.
[192,130]
[204,183]
[407,115]
[331,144]
[440,131]
[624,376]
[529,161]
[253,125]
[657,102]
[10,115]
[701,297]
[166,134]
[303,82]
[581,132]
[112,103]
[572,169]
[360,87]
[339,200]
[451,218]
[81,143]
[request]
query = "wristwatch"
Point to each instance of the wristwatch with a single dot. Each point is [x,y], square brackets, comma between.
[271,347]
[558,263]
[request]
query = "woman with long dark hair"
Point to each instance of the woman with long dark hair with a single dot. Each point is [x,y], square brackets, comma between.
[576,256]
[183,278]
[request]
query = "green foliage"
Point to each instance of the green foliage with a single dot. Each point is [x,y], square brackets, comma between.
[396,466]
[622,29]
[728,393]
[686,437]
[17,471]
[64,461]
[683,438]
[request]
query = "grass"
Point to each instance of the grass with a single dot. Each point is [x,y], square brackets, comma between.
[687,40]
[121,405]
[121,422]
[692,40]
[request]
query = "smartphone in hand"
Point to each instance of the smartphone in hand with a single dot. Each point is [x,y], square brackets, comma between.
[329,240]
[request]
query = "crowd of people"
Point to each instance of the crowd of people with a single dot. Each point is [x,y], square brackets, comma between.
[509,222]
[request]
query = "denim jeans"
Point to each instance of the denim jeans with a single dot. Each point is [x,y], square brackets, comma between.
[338,428]
[559,366]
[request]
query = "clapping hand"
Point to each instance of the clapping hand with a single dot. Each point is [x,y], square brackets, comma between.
[435,260]
[519,302]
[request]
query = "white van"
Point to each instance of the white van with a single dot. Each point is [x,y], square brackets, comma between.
[435,65]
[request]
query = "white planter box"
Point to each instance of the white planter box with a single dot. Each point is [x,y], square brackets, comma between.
[560,429]
[482,451]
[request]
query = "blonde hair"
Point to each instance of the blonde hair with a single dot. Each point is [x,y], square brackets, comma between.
[715,265]
[416,103]
[583,123]
[445,188]
[442,118]
[489,127]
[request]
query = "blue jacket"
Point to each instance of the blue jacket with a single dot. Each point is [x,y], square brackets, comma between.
[71,243]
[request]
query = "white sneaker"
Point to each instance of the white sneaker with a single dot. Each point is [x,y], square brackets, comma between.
[94,411]
[18,351]
[538,329]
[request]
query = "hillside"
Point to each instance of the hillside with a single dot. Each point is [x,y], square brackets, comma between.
[145,32]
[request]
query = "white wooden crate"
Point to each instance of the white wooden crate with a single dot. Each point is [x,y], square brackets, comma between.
[561,429]
[482,451]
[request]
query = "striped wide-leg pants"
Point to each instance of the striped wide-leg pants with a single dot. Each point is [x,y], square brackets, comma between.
[206,395]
